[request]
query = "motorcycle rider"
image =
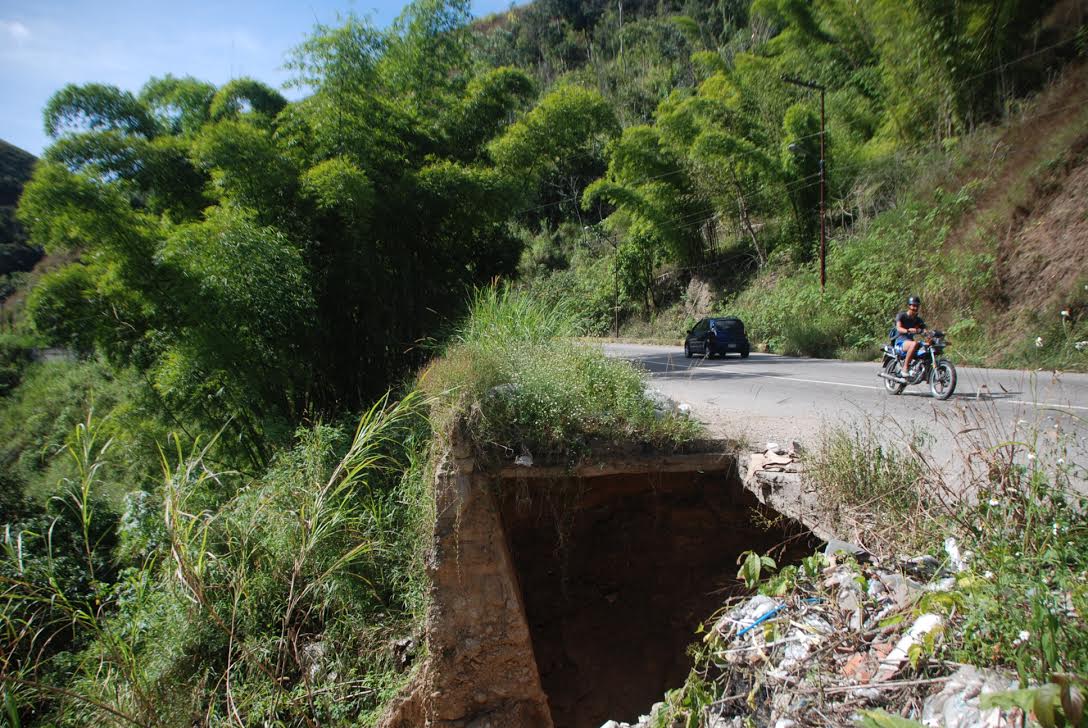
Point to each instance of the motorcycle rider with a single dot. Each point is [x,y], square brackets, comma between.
[908,323]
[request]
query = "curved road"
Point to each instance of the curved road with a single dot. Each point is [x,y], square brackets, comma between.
[777,398]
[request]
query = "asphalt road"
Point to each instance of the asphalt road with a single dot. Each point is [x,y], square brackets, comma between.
[769,398]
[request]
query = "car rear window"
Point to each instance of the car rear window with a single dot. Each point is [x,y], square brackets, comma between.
[727,324]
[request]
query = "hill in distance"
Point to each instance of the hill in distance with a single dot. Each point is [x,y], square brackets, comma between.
[16,166]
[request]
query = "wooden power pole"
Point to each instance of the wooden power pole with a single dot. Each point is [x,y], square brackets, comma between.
[823,231]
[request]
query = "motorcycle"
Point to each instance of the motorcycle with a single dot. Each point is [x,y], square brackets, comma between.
[927,366]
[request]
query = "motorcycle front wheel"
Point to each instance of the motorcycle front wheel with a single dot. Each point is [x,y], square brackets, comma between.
[942,380]
[891,366]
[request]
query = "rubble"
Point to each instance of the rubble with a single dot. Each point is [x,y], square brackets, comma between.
[665,405]
[957,705]
[775,459]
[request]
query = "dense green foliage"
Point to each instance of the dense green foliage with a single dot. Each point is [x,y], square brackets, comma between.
[217,595]
[715,174]
[261,259]
[193,535]
[523,388]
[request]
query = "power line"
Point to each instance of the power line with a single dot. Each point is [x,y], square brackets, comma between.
[960,84]
[1022,58]
[697,219]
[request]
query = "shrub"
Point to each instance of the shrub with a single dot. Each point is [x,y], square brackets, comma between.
[527,387]
[15,356]
[275,602]
[1025,592]
[53,397]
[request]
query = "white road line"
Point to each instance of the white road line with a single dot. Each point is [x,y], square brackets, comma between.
[1052,405]
[1043,404]
[793,379]
[796,379]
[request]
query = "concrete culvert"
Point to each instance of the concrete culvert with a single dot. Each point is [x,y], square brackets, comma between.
[569,598]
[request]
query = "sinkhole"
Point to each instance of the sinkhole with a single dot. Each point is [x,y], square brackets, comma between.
[567,597]
[618,567]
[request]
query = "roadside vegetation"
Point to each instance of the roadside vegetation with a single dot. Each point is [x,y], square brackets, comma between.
[524,387]
[1024,529]
[260,313]
[295,593]
[1015,601]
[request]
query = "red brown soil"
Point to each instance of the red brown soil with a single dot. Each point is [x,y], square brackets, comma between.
[618,572]
[562,599]
[1033,212]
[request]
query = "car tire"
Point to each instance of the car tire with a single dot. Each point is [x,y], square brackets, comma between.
[687,350]
[744,354]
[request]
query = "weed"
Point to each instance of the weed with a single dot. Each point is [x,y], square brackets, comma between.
[1026,596]
[876,487]
[275,599]
[526,388]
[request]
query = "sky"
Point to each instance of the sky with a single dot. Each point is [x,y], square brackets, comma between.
[45,44]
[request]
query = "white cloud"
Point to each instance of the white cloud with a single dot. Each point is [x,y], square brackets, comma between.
[14,29]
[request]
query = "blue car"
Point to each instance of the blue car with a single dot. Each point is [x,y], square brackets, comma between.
[717,337]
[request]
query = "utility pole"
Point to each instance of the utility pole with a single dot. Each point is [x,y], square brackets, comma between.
[823,234]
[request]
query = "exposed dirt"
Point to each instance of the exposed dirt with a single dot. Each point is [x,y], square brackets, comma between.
[1032,214]
[480,670]
[617,573]
[1038,265]
[567,598]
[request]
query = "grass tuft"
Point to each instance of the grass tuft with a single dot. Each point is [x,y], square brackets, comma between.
[527,387]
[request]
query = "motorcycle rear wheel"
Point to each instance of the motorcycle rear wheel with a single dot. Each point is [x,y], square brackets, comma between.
[942,380]
[891,366]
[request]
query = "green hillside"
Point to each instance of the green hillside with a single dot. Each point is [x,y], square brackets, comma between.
[710,199]
[216,505]
[16,167]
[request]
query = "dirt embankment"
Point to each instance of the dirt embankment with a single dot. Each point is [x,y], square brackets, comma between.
[565,597]
[1032,214]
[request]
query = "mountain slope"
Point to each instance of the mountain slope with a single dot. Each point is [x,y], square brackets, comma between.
[16,166]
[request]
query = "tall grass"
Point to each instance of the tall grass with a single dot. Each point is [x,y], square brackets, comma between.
[1021,601]
[270,601]
[524,386]
[501,316]
[880,491]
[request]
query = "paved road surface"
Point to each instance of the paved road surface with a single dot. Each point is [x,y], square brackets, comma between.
[777,398]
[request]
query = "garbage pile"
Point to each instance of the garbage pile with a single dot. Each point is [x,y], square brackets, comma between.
[840,635]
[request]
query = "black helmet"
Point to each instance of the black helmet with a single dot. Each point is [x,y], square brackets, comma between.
[914,301]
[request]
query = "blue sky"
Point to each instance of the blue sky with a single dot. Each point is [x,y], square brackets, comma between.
[45,44]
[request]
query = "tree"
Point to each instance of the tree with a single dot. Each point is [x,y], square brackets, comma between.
[97,107]
[557,148]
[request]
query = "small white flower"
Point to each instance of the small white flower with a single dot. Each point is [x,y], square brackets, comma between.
[995,502]
[1054,529]
[1065,313]
[1061,461]
[1031,456]
[1081,345]
[988,575]
[1038,342]
[1024,635]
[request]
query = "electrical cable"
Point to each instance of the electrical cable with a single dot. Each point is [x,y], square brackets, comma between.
[957,85]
